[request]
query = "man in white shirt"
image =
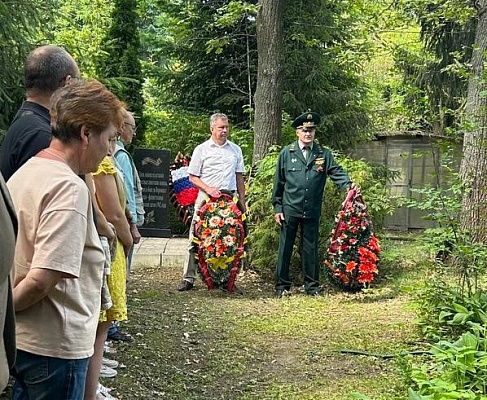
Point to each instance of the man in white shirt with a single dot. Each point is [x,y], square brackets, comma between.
[215,165]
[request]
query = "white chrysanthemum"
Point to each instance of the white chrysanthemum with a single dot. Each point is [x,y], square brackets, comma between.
[215,221]
[229,240]
[225,212]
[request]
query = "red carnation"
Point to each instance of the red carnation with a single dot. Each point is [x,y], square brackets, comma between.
[350,266]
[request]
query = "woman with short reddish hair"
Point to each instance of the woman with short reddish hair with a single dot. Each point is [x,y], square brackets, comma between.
[59,259]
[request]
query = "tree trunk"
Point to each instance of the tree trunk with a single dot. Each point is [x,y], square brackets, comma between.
[473,169]
[268,94]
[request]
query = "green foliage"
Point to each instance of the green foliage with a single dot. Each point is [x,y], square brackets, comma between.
[80,27]
[175,130]
[419,62]
[439,304]
[360,396]
[458,370]
[371,179]
[390,32]
[120,63]
[439,74]
[387,89]
[20,23]
[202,58]
[452,304]
[206,55]
[264,234]
[323,49]
[453,247]
[181,131]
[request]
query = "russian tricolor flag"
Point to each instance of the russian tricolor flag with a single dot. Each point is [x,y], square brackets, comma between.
[184,190]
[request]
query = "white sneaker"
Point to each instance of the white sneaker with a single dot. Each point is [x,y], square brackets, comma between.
[107,372]
[104,392]
[108,349]
[110,363]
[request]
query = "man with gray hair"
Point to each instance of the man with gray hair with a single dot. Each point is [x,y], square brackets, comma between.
[215,165]
[47,68]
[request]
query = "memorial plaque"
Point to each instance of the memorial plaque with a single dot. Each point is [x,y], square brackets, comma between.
[153,167]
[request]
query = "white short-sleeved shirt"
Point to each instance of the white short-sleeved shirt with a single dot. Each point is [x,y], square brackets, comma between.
[217,165]
[57,232]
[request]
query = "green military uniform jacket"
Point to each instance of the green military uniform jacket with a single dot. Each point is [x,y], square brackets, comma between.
[299,184]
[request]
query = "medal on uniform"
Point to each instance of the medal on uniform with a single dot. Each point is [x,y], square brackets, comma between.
[294,160]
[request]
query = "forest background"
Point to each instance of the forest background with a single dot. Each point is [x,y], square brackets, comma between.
[367,66]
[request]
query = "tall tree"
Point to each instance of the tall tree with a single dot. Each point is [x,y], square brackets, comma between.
[207,54]
[324,47]
[120,63]
[268,95]
[437,74]
[473,168]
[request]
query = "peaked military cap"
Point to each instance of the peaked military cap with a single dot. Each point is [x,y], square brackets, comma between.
[306,120]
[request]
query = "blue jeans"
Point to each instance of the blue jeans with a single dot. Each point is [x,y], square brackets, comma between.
[48,378]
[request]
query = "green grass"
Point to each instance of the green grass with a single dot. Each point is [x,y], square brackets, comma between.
[211,345]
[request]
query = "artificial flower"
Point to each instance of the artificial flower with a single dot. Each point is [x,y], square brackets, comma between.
[353,252]
[206,233]
[225,212]
[229,240]
[214,221]
[350,266]
[220,236]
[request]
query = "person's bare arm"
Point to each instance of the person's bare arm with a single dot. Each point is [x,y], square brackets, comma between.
[109,202]
[209,190]
[102,226]
[241,189]
[36,285]
[134,231]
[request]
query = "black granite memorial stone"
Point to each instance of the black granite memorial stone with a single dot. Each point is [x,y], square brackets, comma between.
[153,167]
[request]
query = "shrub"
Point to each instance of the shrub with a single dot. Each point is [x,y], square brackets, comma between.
[263,231]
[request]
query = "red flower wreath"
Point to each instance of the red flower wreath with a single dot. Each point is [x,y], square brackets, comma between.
[220,238]
[354,249]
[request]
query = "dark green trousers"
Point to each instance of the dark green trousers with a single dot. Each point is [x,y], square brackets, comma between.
[309,252]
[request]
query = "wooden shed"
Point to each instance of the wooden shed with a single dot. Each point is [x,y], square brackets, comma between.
[416,158]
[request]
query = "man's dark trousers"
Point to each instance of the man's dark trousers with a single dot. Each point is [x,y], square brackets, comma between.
[309,255]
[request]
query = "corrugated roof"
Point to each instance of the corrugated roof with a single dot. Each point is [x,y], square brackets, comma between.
[415,133]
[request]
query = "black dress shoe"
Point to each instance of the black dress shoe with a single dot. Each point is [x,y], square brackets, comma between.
[316,292]
[186,285]
[120,336]
[281,293]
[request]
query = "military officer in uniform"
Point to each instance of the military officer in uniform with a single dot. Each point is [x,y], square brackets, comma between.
[301,172]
